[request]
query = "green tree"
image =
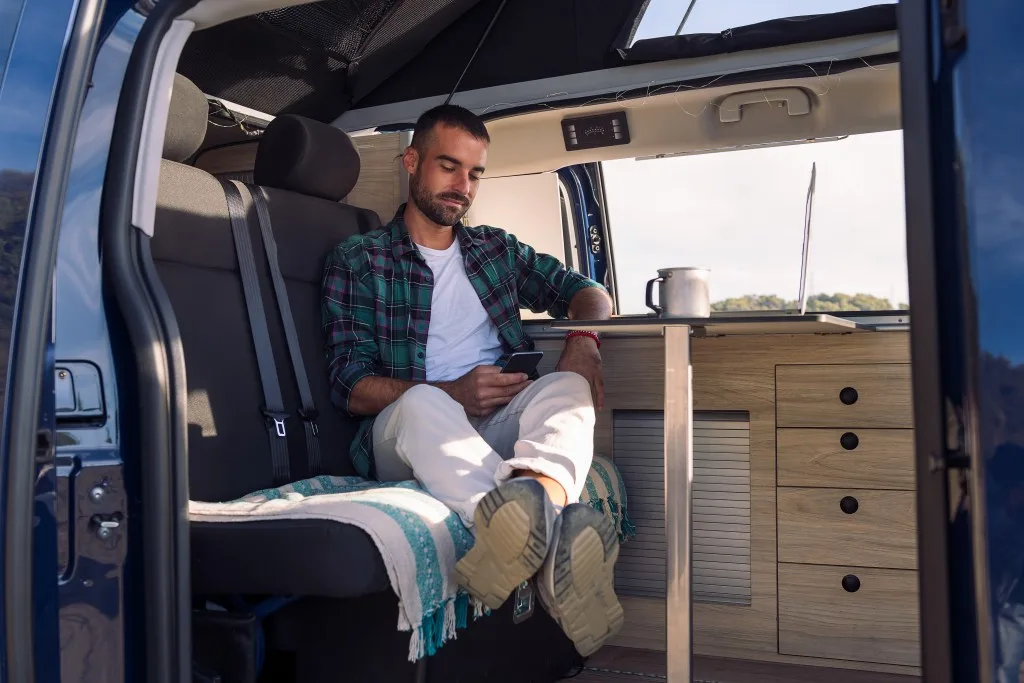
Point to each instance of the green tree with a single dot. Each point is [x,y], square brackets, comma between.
[819,303]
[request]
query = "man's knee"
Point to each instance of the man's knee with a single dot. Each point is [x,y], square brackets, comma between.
[424,399]
[565,383]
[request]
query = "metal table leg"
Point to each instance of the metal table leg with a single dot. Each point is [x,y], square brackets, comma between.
[421,670]
[678,519]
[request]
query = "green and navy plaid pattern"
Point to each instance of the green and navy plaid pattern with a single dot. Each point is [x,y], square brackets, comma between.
[375,308]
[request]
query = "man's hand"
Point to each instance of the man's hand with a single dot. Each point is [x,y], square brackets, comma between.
[582,357]
[484,389]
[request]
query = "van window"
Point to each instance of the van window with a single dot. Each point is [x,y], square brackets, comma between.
[741,214]
[662,17]
[10,18]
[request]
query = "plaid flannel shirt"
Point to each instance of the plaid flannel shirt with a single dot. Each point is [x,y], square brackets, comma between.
[375,306]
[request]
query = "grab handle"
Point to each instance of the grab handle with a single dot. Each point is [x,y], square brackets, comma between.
[796,100]
[650,295]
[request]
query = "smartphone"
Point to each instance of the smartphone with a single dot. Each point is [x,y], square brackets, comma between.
[523,361]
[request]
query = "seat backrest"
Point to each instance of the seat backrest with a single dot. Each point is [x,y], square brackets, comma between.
[193,250]
[307,168]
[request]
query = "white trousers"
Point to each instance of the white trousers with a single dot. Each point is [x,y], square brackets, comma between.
[547,428]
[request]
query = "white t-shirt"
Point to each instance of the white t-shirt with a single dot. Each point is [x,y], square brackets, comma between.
[461,334]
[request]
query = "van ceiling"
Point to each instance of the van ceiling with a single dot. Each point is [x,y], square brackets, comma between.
[693,121]
[324,58]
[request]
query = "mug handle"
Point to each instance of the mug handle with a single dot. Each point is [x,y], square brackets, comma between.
[650,295]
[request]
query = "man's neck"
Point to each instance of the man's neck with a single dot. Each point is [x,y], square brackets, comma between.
[426,232]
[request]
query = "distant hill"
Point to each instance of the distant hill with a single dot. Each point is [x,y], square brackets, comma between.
[1001,388]
[15,193]
[818,303]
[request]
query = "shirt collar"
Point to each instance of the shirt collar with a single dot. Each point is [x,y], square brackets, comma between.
[402,244]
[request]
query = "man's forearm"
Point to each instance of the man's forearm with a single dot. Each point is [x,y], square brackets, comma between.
[590,304]
[373,394]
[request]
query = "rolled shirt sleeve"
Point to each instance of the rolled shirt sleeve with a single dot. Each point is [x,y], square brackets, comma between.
[545,284]
[347,313]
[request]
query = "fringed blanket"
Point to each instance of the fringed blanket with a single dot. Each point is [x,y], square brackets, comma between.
[419,539]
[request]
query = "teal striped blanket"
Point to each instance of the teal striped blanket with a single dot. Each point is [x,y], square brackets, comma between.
[419,538]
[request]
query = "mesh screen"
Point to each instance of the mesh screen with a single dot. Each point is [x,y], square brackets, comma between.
[406,18]
[296,59]
[336,26]
[258,66]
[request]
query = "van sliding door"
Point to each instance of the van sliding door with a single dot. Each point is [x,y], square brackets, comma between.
[45,55]
[962,79]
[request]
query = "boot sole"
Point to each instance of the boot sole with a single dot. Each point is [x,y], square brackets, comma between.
[584,600]
[511,542]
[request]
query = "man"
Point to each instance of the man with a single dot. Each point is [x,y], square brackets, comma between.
[419,316]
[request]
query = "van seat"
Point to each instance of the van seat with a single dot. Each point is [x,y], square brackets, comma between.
[312,167]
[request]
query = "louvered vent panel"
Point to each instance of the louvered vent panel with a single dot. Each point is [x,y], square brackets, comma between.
[721,504]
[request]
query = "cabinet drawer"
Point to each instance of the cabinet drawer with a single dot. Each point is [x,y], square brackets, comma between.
[848,527]
[846,458]
[864,615]
[844,396]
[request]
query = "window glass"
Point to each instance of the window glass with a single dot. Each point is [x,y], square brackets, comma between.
[10,18]
[714,16]
[741,214]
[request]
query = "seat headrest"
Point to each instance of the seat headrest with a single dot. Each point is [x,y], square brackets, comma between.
[308,157]
[186,120]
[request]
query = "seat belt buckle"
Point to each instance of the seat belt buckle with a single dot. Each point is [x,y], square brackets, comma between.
[523,605]
[310,416]
[277,419]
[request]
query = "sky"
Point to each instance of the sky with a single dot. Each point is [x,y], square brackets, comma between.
[711,16]
[741,213]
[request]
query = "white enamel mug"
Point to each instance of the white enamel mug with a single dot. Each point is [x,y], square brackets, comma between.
[682,293]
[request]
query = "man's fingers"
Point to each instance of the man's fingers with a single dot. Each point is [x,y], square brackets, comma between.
[510,378]
[506,391]
[496,401]
[503,380]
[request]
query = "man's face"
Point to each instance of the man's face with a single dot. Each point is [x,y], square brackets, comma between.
[443,179]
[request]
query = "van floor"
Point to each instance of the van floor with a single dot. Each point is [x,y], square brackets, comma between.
[627,665]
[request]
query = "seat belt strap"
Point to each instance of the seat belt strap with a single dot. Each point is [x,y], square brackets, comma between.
[273,405]
[308,413]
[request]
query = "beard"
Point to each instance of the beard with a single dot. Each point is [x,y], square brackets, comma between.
[433,208]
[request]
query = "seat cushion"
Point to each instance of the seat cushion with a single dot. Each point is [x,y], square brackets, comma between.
[285,557]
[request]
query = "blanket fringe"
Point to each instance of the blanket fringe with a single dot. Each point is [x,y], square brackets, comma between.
[624,526]
[442,625]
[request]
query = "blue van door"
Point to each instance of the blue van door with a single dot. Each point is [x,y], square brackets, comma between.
[962,78]
[45,56]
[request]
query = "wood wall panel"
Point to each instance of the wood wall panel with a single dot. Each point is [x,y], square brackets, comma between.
[379,187]
[729,373]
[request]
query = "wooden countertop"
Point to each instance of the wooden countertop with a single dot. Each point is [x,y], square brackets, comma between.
[745,324]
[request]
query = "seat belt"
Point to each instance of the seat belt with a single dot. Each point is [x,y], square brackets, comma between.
[308,412]
[273,404]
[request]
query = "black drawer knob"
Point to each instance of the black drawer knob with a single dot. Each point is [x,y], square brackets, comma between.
[851,584]
[849,441]
[848,396]
[849,505]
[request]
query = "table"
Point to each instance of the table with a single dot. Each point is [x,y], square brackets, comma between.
[678,485]
[678,425]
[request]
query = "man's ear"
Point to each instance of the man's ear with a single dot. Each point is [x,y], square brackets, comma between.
[410,159]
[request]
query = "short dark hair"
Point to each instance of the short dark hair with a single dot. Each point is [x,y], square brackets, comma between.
[448,115]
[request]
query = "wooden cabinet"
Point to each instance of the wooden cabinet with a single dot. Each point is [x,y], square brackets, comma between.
[806,451]
[848,396]
[846,513]
[846,458]
[849,613]
[848,526]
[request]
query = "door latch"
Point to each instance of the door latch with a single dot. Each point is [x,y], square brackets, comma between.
[105,525]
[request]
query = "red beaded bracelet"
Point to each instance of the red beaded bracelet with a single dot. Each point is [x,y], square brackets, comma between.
[584,333]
